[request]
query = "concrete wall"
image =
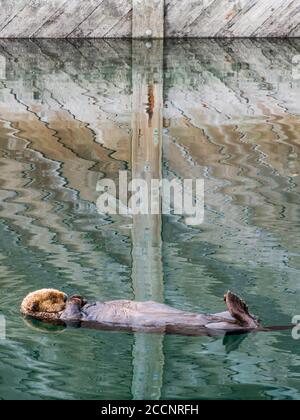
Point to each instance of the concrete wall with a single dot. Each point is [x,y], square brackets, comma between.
[183,18]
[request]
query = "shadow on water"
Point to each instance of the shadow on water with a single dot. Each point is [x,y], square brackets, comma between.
[71,114]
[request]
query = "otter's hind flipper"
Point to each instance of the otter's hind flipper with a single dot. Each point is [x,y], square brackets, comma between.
[240,311]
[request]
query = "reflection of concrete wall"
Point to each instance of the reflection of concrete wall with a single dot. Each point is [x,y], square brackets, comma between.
[184,18]
[255,127]
[71,101]
[232,115]
[51,118]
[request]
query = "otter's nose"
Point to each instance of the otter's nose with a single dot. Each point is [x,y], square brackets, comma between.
[65,298]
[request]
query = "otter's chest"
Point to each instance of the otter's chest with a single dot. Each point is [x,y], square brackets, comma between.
[116,312]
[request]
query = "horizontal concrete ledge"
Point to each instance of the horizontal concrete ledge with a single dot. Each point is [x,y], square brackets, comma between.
[149,18]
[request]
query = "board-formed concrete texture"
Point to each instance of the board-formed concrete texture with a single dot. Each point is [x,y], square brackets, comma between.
[183,18]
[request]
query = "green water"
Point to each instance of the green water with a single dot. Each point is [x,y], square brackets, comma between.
[231,116]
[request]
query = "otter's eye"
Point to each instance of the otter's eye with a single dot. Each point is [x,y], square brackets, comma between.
[34,307]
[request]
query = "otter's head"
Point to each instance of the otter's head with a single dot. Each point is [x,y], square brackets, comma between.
[45,304]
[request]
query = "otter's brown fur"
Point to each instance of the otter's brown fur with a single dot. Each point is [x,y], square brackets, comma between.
[45,304]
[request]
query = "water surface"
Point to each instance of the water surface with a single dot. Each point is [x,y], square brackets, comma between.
[231,116]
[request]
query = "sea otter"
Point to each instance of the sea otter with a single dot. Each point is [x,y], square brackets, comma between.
[54,306]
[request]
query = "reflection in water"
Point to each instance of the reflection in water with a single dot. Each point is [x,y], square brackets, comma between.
[146,231]
[68,114]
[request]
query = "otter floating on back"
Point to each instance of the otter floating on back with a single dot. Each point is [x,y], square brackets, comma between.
[51,305]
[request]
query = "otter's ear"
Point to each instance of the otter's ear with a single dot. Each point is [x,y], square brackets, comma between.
[34,307]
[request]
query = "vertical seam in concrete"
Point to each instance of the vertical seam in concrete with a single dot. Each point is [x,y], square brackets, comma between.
[148,18]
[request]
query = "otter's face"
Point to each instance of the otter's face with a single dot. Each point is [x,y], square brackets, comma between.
[44,303]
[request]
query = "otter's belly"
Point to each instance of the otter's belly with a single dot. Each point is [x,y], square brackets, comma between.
[141,314]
